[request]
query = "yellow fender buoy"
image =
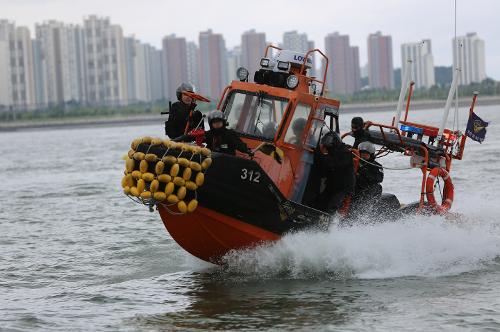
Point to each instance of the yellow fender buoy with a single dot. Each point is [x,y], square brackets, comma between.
[148,177]
[146,195]
[126,190]
[159,167]
[195,166]
[172,199]
[200,178]
[186,175]
[182,207]
[134,192]
[206,163]
[181,192]
[169,160]
[147,139]
[174,170]
[141,185]
[190,185]
[151,157]
[183,162]
[153,187]
[136,175]
[129,165]
[178,181]
[131,153]
[135,143]
[169,188]
[139,156]
[165,178]
[193,204]
[156,141]
[127,181]
[159,196]
[206,152]
[143,166]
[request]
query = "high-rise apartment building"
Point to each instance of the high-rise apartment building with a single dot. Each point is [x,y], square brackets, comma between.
[105,65]
[193,64]
[343,75]
[422,67]
[213,64]
[234,61]
[156,76]
[470,58]
[62,61]
[175,64]
[17,83]
[253,45]
[380,63]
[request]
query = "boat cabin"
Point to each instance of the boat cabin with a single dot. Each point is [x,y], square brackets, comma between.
[286,108]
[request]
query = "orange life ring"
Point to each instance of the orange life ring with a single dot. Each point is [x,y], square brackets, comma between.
[448,190]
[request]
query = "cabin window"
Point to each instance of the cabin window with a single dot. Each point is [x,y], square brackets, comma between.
[316,127]
[255,114]
[297,125]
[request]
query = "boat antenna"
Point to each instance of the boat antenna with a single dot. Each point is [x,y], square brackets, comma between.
[456,55]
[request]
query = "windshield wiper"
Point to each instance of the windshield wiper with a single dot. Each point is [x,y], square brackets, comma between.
[260,98]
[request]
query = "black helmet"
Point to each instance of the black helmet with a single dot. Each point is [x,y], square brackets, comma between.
[357,122]
[184,87]
[216,115]
[299,125]
[331,140]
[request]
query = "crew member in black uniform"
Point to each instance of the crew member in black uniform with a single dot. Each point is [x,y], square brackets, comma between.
[358,131]
[219,138]
[178,117]
[369,177]
[337,170]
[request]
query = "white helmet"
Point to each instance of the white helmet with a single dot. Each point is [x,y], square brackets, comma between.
[366,147]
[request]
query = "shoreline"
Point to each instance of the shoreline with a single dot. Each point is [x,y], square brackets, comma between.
[132,120]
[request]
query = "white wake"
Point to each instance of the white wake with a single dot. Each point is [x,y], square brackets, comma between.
[417,246]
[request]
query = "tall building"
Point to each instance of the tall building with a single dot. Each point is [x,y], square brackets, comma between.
[17,83]
[253,45]
[105,66]
[298,42]
[156,76]
[193,64]
[343,75]
[39,75]
[422,68]
[213,64]
[234,61]
[380,64]
[175,61]
[471,58]
[62,61]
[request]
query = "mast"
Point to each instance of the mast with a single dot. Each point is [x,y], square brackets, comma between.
[404,86]
[453,88]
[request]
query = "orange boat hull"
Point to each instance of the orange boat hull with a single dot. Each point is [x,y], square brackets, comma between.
[209,235]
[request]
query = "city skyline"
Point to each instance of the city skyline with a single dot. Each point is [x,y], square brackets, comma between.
[403,23]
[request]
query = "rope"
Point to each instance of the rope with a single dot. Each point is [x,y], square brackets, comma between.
[383,167]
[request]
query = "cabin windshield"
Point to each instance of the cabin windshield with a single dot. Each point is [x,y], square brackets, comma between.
[255,114]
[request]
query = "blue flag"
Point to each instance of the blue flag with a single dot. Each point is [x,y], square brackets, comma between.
[476,128]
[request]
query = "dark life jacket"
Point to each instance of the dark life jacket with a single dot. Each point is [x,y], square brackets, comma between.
[178,119]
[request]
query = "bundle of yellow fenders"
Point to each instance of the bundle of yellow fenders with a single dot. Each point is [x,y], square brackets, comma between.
[160,171]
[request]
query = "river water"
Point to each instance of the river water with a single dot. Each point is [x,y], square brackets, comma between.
[77,254]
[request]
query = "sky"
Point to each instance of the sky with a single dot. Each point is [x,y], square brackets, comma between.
[405,21]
